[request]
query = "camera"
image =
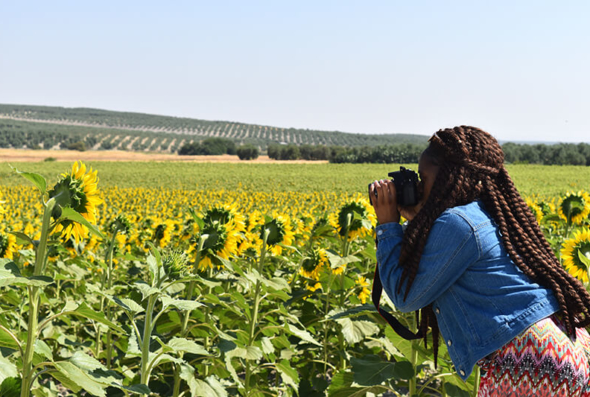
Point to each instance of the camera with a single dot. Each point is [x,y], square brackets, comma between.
[406,187]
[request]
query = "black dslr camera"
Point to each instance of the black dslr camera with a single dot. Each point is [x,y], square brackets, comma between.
[406,187]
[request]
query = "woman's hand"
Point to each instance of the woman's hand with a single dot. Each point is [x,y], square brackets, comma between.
[385,203]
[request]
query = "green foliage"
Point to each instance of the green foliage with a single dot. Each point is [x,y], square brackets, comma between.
[336,178]
[79,146]
[247,152]
[208,147]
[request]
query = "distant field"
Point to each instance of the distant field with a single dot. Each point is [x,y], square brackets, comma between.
[339,178]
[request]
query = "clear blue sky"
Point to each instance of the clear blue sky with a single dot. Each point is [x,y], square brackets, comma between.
[518,69]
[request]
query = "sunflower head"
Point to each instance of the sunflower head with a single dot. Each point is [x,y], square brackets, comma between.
[174,263]
[315,261]
[574,207]
[7,245]
[535,209]
[217,214]
[120,224]
[354,219]
[364,286]
[219,241]
[576,254]
[76,190]
[225,214]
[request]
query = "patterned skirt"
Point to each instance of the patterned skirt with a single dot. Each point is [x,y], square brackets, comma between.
[541,361]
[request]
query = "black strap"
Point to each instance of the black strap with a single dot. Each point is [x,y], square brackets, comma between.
[395,324]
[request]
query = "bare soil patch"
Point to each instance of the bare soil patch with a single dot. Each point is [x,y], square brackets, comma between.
[120,155]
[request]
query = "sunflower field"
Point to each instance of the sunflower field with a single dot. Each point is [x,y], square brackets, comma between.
[227,290]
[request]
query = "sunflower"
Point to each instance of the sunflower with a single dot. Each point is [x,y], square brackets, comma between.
[7,245]
[365,291]
[279,232]
[120,224]
[76,190]
[225,214]
[576,254]
[314,263]
[575,206]
[355,219]
[163,233]
[535,209]
[221,241]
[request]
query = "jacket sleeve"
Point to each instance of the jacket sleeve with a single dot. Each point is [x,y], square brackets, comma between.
[450,249]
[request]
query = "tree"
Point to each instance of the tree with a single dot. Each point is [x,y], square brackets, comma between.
[247,152]
[79,146]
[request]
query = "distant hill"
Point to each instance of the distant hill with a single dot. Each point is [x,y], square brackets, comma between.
[57,127]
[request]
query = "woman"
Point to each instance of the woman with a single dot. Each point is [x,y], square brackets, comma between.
[474,259]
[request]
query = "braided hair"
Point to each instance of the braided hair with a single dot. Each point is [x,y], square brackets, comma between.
[471,167]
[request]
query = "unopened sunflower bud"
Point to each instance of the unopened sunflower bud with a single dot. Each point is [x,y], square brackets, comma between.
[175,263]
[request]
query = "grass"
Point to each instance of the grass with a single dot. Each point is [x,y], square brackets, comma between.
[541,180]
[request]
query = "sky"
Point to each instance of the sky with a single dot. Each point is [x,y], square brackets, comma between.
[517,69]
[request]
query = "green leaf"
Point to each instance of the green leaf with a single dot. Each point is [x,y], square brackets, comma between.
[72,215]
[12,277]
[153,266]
[302,334]
[196,218]
[353,311]
[127,304]
[145,289]
[210,387]
[85,362]
[22,238]
[288,374]
[338,261]
[185,345]
[181,304]
[371,370]
[36,179]
[7,341]
[10,387]
[84,311]
[341,380]
[7,369]
[42,349]
[137,389]
[156,253]
[584,259]
[356,331]
[80,378]
[267,346]
[247,353]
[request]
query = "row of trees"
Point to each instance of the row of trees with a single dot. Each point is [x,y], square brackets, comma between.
[399,153]
[559,154]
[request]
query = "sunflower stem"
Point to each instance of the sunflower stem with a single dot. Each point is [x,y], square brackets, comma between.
[256,305]
[145,342]
[187,314]
[33,294]
[104,304]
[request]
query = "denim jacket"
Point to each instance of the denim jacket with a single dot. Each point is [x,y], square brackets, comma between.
[480,298]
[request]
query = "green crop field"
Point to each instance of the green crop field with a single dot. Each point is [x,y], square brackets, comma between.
[545,181]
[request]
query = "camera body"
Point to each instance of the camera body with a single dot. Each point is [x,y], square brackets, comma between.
[406,186]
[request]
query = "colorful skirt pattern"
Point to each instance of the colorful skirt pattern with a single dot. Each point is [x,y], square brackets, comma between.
[541,361]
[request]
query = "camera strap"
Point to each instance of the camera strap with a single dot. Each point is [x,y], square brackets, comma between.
[391,320]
